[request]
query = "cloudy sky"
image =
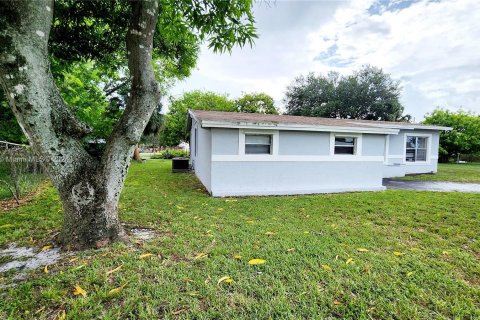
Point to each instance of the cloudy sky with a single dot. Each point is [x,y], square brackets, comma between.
[432,47]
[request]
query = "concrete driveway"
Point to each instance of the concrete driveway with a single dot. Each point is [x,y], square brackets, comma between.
[431,186]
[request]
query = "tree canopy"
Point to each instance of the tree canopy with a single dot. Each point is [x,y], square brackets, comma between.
[367,94]
[174,130]
[95,30]
[465,136]
[256,103]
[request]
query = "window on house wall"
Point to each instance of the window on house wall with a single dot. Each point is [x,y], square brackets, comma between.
[196,141]
[345,145]
[416,149]
[258,144]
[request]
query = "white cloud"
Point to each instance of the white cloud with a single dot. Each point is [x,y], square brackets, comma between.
[431,46]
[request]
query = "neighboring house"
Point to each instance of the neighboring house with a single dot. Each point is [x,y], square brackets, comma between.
[237,154]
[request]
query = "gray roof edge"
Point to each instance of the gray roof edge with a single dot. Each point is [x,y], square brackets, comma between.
[408,126]
[361,125]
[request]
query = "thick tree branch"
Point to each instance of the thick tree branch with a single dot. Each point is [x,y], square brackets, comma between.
[110,90]
[145,92]
[144,96]
[28,83]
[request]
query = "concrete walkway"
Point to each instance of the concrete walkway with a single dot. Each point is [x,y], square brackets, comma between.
[431,186]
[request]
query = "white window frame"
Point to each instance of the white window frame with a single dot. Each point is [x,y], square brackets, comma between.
[195,140]
[429,148]
[357,151]
[274,141]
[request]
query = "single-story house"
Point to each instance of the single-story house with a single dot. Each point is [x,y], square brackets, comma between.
[239,154]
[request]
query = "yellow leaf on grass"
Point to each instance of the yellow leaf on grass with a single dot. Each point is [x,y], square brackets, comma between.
[398,253]
[306,232]
[326,267]
[145,255]
[80,267]
[176,313]
[237,257]
[291,249]
[220,209]
[113,270]
[45,269]
[117,290]
[409,274]
[349,260]
[229,280]
[362,250]
[79,291]
[62,315]
[46,248]
[223,279]
[256,261]
[446,253]
[269,233]
[5,226]
[201,255]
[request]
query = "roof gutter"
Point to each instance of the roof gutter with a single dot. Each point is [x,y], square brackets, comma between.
[408,127]
[295,127]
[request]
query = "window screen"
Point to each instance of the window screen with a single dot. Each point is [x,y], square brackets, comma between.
[345,145]
[258,144]
[416,149]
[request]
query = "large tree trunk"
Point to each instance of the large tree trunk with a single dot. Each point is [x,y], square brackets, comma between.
[89,187]
[90,216]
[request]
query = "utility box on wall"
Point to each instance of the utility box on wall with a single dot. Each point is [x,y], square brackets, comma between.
[180,165]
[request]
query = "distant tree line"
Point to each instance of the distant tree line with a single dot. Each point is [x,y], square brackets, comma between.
[174,129]
[367,94]
[463,139]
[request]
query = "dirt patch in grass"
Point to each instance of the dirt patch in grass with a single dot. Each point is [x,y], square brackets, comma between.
[9,204]
[143,234]
[22,259]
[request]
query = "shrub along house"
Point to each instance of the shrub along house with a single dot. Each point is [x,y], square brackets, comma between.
[236,154]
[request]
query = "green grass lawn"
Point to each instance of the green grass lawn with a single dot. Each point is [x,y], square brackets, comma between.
[465,172]
[28,182]
[305,240]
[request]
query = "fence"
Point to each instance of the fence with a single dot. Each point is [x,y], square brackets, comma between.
[20,170]
[5,145]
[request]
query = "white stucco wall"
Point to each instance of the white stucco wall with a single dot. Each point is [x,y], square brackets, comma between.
[293,177]
[395,164]
[201,160]
[302,162]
